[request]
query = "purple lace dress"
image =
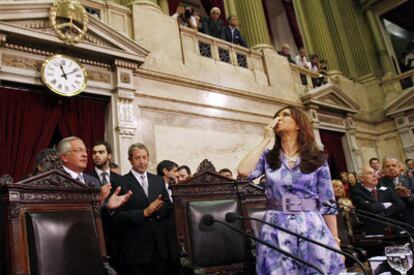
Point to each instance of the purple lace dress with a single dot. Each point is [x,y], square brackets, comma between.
[317,185]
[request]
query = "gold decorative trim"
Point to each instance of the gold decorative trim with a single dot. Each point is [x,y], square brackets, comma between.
[27,49]
[60,92]
[65,17]
[21,62]
[331,120]
[99,76]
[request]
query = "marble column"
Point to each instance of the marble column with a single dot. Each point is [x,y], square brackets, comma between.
[354,150]
[405,130]
[320,33]
[126,117]
[253,23]
[164,6]
[380,45]
[230,7]
[151,3]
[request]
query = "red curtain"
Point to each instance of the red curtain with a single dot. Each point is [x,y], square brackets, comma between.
[84,118]
[209,4]
[173,5]
[333,145]
[294,27]
[27,123]
[29,119]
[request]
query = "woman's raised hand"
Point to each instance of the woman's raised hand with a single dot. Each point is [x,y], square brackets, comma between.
[269,129]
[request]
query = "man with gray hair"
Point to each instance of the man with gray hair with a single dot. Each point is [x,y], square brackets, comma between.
[213,25]
[380,200]
[74,156]
[401,184]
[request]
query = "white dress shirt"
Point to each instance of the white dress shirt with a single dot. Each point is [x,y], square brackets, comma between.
[74,175]
[99,173]
[138,176]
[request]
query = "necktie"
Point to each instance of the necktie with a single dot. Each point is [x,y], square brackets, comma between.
[396,181]
[374,194]
[144,184]
[104,178]
[80,178]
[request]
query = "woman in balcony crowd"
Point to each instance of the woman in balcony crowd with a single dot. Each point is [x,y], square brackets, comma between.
[298,182]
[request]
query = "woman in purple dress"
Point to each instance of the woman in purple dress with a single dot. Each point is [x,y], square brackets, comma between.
[298,182]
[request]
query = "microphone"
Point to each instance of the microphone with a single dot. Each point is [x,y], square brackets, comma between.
[209,220]
[376,218]
[232,217]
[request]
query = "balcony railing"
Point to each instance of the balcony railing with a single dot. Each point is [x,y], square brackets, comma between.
[399,82]
[305,77]
[220,50]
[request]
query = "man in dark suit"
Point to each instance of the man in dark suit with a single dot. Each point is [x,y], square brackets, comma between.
[167,169]
[102,156]
[74,156]
[143,241]
[401,184]
[232,34]
[213,25]
[380,200]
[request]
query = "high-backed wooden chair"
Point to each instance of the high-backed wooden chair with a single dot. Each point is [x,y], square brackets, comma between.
[212,249]
[52,225]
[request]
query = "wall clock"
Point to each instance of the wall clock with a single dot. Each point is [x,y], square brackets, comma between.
[64,75]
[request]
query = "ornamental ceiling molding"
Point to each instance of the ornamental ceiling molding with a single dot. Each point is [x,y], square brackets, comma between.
[30,28]
[401,104]
[331,97]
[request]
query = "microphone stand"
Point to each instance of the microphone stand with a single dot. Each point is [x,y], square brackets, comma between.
[234,217]
[209,220]
[373,217]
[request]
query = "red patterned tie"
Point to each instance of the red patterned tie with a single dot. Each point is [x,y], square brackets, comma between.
[374,194]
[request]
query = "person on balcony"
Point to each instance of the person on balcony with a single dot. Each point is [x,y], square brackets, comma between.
[285,51]
[233,35]
[213,25]
[184,17]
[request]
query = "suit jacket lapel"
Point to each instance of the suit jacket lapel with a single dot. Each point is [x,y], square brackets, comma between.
[136,186]
[151,186]
[367,194]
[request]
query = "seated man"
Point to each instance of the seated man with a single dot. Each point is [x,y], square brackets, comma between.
[401,184]
[380,200]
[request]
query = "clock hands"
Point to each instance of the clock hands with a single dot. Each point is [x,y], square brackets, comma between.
[74,71]
[64,74]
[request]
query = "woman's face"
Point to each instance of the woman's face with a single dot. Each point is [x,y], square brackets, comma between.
[351,179]
[286,123]
[338,189]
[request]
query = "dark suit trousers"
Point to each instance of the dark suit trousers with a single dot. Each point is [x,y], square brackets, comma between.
[157,266]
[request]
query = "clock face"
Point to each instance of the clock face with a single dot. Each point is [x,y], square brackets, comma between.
[64,75]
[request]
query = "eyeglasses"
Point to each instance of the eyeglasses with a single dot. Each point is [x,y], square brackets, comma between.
[80,150]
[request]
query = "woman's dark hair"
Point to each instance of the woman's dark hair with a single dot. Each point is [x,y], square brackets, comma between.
[311,157]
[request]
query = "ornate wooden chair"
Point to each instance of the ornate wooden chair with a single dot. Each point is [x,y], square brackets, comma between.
[51,225]
[212,249]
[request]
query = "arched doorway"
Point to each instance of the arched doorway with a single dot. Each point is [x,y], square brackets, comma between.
[334,147]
